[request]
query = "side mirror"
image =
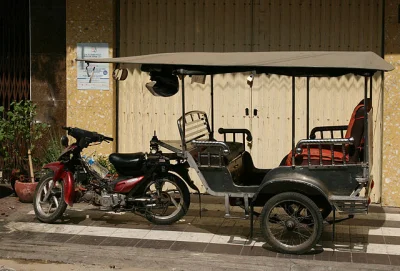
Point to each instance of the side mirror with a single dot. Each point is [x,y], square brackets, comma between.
[64,141]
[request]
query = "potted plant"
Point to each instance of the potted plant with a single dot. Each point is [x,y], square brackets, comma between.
[18,135]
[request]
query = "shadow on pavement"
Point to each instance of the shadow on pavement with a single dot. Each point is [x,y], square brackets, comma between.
[5,191]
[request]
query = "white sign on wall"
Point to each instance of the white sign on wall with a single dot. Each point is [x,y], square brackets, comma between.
[96,75]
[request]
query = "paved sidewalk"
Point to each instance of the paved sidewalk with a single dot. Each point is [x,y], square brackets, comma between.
[26,265]
[133,258]
[372,239]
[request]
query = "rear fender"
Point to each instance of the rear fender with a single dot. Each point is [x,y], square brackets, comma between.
[182,171]
[68,181]
[274,187]
[179,170]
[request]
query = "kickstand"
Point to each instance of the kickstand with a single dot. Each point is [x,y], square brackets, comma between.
[251,220]
[198,191]
[333,224]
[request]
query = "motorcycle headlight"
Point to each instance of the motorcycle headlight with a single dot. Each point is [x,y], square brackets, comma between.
[64,141]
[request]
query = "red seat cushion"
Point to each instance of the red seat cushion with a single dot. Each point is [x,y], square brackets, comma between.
[302,159]
[355,129]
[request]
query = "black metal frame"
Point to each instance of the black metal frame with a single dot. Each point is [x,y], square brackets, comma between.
[309,136]
[308,107]
[293,119]
[183,114]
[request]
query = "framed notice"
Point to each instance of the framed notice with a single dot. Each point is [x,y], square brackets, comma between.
[96,75]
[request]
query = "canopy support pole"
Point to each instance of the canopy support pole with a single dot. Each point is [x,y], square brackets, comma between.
[370,87]
[212,106]
[293,119]
[308,108]
[366,119]
[183,114]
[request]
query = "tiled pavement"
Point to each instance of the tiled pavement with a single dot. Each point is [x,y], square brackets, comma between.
[372,238]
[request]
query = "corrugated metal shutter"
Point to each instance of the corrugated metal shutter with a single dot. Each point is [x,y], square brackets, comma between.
[14,61]
[243,25]
[14,51]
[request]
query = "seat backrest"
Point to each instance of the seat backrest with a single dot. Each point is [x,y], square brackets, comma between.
[196,126]
[355,129]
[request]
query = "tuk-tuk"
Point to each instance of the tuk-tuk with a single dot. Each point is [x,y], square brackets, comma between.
[320,174]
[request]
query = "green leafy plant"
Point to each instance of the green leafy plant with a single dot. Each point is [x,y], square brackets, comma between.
[18,133]
[49,149]
[103,160]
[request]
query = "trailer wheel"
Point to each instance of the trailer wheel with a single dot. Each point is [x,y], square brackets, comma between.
[291,223]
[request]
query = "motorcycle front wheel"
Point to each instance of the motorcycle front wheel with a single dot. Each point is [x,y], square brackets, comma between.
[48,201]
[170,200]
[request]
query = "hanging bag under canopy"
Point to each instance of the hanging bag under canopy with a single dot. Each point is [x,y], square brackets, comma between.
[163,84]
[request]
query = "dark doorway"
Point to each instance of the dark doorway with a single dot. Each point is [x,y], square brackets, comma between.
[15,53]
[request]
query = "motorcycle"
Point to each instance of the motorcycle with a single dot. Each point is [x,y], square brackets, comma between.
[154,185]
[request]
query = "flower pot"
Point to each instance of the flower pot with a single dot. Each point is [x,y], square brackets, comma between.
[25,191]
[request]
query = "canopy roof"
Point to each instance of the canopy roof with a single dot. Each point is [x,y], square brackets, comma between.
[286,63]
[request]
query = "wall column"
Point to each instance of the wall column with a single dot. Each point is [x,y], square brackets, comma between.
[391,108]
[90,21]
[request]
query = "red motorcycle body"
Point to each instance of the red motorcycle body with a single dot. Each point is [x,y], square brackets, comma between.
[68,181]
[127,185]
[123,186]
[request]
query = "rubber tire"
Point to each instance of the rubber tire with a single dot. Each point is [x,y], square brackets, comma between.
[185,207]
[61,207]
[311,206]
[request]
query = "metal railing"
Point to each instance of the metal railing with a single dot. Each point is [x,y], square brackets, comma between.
[221,150]
[246,134]
[325,144]
[331,129]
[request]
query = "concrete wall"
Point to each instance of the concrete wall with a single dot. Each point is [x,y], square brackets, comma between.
[391,113]
[48,60]
[90,21]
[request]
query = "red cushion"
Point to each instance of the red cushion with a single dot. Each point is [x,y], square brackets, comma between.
[314,156]
[353,119]
[326,152]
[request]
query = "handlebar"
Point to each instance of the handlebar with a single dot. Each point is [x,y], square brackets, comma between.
[106,138]
[88,136]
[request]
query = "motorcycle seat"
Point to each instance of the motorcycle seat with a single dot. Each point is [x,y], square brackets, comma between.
[129,164]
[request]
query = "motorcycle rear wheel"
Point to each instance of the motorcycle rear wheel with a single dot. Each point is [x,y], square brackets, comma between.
[56,205]
[171,200]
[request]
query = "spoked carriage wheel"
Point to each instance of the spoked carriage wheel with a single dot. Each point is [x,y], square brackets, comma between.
[171,200]
[291,223]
